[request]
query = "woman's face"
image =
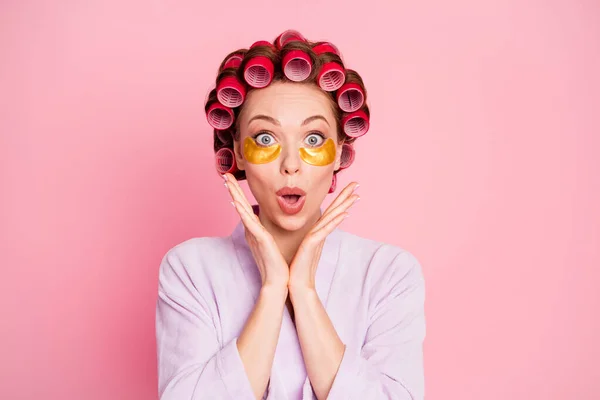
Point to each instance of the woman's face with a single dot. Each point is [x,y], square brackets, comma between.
[288,138]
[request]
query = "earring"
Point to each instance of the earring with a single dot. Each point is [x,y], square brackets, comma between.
[333,183]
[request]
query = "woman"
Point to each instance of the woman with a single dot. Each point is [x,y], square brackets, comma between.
[289,306]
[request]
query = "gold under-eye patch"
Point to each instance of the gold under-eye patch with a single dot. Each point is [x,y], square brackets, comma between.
[320,156]
[260,155]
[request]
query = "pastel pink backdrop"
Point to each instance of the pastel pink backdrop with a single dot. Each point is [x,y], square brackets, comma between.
[481,160]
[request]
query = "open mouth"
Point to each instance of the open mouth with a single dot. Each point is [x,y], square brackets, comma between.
[291,198]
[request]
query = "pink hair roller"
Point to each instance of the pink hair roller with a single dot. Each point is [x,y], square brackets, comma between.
[350,97]
[331,77]
[326,47]
[289,36]
[233,62]
[297,65]
[259,70]
[262,43]
[347,157]
[333,184]
[225,161]
[231,92]
[219,116]
[356,124]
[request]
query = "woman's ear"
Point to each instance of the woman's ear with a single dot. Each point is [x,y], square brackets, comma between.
[239,158]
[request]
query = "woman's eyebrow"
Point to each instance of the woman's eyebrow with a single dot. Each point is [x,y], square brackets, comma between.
[275,122]
[266,118]
[313,118]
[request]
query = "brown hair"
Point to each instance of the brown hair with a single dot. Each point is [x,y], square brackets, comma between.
[225,138]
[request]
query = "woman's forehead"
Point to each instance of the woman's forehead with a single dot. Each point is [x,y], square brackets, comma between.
[288,104]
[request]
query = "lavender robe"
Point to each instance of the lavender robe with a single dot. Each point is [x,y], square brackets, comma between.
[373,292]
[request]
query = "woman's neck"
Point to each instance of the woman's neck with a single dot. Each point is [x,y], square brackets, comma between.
[288,241]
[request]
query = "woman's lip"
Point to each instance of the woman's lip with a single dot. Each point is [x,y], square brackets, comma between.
[290,191]
[290,208]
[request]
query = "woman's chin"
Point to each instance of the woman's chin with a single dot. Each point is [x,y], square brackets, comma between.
[291,222]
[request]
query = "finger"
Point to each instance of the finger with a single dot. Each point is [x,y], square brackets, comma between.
[252,223]
[242,197]
[249,222]
[344,194]
[346,204]
[326,219]
[324,231]
[236,192]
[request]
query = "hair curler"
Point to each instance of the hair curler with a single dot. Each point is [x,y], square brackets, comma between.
[331,76]
[219,116]
[231,92]
[225,161]
[297,65]
[289,36]
[262,43]
[350,97]
[233,61]
[259,70]
[333,184]
[347,157]
[355,124]
[326,47]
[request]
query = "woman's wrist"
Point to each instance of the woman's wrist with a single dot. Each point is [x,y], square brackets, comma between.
[274,292]
[301,293]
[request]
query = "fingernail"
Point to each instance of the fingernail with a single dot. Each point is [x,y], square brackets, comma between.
[357,199]
[357,185]
[225,184]
[233,204]
[224,177]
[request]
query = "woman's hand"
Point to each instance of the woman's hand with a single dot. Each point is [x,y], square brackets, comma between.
[273,268]
[304,264]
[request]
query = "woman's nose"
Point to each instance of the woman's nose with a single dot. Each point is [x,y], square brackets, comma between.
[291,161]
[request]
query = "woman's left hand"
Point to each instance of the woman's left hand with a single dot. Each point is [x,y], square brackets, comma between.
[304,264]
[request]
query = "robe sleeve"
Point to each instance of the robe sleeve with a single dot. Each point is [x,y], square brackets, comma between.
[192,364]
[390,363]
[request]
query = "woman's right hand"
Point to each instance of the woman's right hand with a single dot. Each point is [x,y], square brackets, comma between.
[273,268]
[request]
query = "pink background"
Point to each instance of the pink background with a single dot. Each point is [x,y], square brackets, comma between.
[482,160]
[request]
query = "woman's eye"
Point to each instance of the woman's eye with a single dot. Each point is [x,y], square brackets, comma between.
[314,140]
[264,139]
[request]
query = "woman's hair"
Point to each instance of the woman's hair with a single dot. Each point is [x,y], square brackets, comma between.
[240,71]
